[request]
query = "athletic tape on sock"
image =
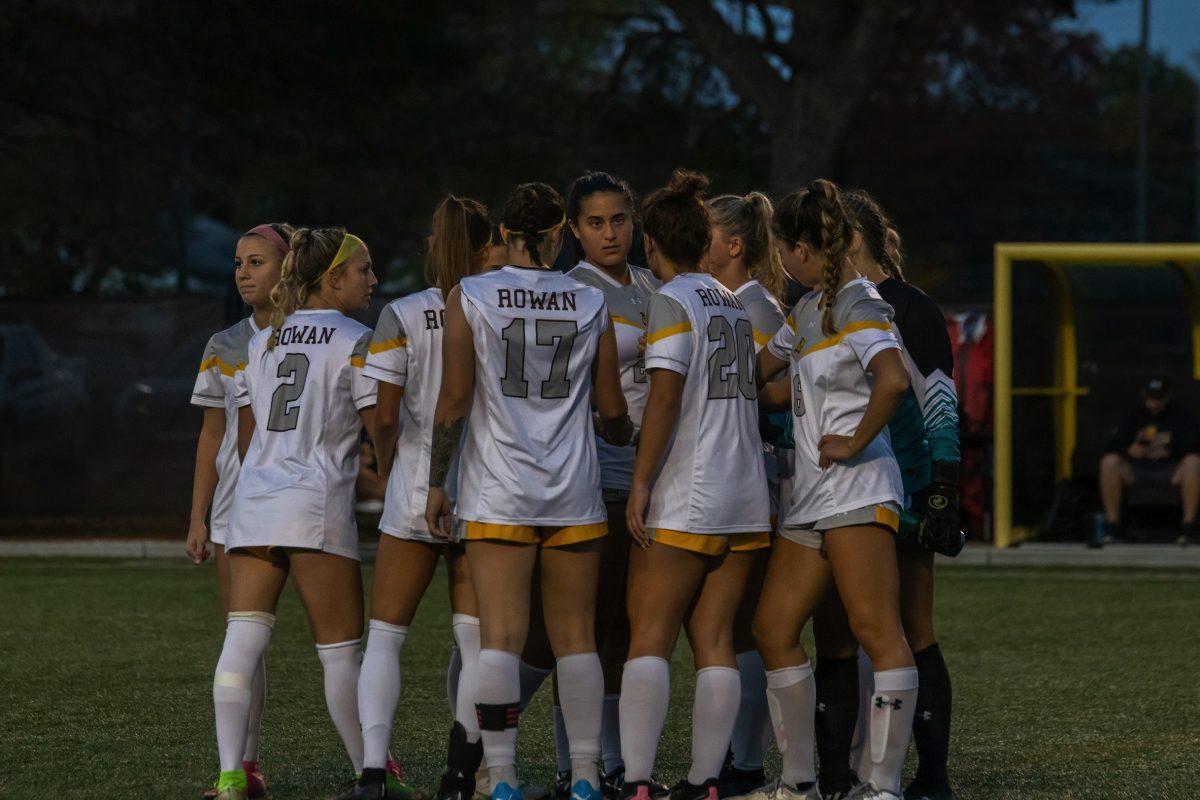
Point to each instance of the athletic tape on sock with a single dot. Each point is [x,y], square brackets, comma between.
[233,680]
[497,716]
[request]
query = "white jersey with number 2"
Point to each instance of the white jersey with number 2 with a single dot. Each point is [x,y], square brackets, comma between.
[296,488]
[530,452]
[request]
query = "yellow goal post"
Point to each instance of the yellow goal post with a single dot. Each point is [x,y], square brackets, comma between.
[1065,391]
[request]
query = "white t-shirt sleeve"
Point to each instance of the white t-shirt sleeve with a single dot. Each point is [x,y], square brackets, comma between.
[781,343]
[363,388]
[669,342]
[869,329]
[387,356]
[209,390]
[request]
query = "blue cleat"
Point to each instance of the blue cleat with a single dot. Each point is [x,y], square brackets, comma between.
[503,791]
[583,790]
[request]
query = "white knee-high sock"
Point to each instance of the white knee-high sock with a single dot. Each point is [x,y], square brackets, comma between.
[610,734]
[498,694]
[562,745]
[532,679]
[258,704]
[341,661]
[581,692]
[453,671]
[792,698]
[379,690]
[645,692]
[892,707]
[714,708]
[753,722]
[466,635]
[860,752]
[246,638]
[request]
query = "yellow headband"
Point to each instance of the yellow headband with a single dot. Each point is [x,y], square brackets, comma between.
[553,227]
[348,247]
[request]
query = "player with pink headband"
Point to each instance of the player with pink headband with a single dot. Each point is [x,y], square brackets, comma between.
[257,263]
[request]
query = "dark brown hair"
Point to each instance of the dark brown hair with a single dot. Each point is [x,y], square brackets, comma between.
[531,213]
[460,233]
[879,233]
[816,216]
[588,184]
[676,218]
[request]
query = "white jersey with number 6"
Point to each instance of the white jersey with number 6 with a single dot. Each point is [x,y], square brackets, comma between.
[712,480]
[296,488]
[530,453]
[830,391]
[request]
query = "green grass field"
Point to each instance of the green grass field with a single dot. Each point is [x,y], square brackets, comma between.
[1068,684]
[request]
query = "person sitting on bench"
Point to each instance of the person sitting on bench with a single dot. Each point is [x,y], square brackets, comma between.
[1156,444]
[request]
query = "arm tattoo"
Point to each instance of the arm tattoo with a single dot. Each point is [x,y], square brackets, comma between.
[445,444]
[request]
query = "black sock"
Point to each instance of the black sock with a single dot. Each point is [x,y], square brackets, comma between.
[837,714]
[372,777]
[931,723]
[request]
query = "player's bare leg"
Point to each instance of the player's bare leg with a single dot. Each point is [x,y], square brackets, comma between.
[864,564]
[797,578]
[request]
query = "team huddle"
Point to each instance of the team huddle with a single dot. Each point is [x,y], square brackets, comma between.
[756,430]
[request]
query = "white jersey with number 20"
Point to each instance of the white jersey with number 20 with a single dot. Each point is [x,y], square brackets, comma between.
[296,488]
[530,453]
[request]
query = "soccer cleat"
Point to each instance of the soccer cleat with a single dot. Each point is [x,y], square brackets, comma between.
[637,790]
[256,784]
[583,790]
[363,791]
[690,791]
[764,792]
[611,783]
[503,791]
[397,787]
[785,792]
[736,782]
[865,791]
[922,792]
[462,764]
[562,784]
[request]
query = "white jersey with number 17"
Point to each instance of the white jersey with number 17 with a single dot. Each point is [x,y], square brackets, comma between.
[296,488]
[530,453]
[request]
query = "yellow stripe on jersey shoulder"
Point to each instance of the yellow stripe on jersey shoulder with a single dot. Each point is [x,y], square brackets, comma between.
[761,338]
[225,368]
[853,327]
[358,361]
[627,321]
[387,344]
[659,335]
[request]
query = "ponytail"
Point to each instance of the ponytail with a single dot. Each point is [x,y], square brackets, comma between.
[878,231]
[460,235]
[750,218]
[311,251]
[816,216]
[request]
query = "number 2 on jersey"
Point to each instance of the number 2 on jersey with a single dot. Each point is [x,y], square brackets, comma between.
[731,365]
[284,415]
[557,333]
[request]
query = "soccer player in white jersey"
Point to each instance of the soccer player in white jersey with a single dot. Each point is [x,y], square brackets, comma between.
[743,259]
[303,403]
[405,357]
[698,505]
[847,379]
[257,262]
[600,211]
[924,434]
[527,353]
